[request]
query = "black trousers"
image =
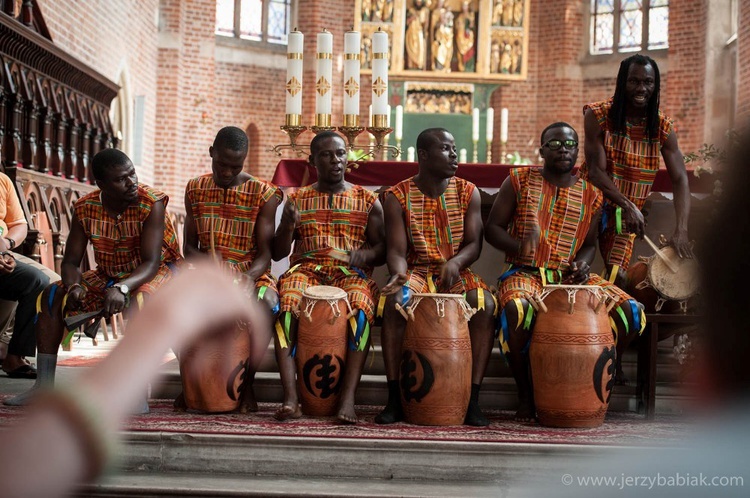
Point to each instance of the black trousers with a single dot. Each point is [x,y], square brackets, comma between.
[23,285]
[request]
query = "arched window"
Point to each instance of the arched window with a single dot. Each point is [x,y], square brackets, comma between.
[261,21]
[628,26]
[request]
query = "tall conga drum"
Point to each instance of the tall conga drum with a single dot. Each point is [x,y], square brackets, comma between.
[436,360]
[214,369]
[572,356]
[321,349]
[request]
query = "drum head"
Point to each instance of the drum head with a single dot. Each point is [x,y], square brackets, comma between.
[676,286]
[324,292]
[435,295]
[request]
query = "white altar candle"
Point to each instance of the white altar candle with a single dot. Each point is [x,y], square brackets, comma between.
[504,124]
[410,154]
[323,77]
[380,76]
[462,156]
[351,78]
[388,119]
[475,124]
[399,122]
[294,78]
[490,123]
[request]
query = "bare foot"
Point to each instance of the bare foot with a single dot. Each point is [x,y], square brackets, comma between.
[247,402]
[179,404]
[346,414]
[287,412]
[526,412]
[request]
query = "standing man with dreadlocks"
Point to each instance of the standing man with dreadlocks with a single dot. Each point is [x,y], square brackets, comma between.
[624,137]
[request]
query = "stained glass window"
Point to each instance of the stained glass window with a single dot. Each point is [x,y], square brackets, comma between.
[628,25]
[265,21]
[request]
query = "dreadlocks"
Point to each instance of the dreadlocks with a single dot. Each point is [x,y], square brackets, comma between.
[617,111]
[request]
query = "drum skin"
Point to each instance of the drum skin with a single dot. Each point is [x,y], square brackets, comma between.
[572,362]
[436,365]
[321,352]
[213,369]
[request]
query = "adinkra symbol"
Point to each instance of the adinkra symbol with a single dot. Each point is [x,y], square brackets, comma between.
[409,380]
[607,356]
[328,385]
[241,371]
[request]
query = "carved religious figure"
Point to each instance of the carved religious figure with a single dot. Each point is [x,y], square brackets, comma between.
[387,13]
[377,10]
[495,57]
[366,10]
[508,12]
[415,39]
[442,43]
[518,13]
[506,59]
[465,38]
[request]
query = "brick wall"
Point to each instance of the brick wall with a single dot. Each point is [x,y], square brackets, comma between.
[113,37]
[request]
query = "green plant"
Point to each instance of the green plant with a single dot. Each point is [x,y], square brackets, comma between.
[708,155]
[516,159]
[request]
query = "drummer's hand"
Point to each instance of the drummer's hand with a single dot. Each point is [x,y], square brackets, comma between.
[449,274]
[247,284]
[76,294]
[290,216]
[634,220]
[579,273]
[114,302]
[530,243]
[681,244]
[394,284]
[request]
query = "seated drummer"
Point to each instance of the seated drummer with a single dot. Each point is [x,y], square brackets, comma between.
[545,220]
[434,235]
[337,230]
[135,249]
[230,215]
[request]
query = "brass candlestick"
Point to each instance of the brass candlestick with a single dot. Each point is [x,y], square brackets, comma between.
[489,151]
[503,151]
[292,131]
[475,155]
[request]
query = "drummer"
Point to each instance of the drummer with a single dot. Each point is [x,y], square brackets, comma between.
[337,230]
[545,221]
[434,235]
[229,214]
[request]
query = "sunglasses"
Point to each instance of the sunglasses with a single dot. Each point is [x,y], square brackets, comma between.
[556,144]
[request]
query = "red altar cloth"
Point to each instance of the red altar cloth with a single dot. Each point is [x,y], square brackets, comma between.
[290,173]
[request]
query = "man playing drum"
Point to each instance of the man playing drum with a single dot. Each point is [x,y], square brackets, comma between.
[545,220]
[337,230]
[230,215]
[434,235]
[624,137]
[135,249]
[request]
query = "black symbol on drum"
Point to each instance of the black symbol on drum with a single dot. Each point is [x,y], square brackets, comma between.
[241,371]
[410,379]
[330,375]
[609,355]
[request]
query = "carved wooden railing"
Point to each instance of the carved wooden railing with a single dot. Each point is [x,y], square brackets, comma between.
[54,116]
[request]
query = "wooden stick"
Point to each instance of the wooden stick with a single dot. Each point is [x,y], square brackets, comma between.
[661,255]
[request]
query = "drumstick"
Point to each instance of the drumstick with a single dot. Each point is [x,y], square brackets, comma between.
[661,255]
[340,257]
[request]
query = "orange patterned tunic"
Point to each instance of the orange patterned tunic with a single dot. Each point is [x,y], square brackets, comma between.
[228,216]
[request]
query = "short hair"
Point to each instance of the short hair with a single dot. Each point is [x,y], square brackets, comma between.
[106,159]
[617,111]
[557,124]
[315,142]
[427,136]
[232,138]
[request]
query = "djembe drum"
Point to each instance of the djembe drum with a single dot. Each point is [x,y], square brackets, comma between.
[572,356]
[654,284]
[436,359]
[213,369]
[321,349]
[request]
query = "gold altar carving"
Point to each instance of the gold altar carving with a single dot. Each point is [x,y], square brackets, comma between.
[448,40]
[438,98]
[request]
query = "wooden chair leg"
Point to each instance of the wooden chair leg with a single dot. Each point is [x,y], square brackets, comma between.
[104,330]
[113,322]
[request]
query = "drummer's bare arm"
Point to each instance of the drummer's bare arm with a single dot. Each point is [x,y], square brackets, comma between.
[496,228]
[581,265]
[70,269]
[675,163]
[263,239]
[282,240]
[596,160]
[396,245]
[189,232]
[374,255]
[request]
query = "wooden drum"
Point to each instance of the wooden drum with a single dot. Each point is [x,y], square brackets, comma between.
[321,349]
[572,356]
[436,360]
[213,369]
[654,284]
